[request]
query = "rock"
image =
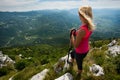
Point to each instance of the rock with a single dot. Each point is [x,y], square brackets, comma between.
[28,58]
[40,76]
[66,76]
[20,55]
[114,50]
[59,65]
[11,78]
[1,54]
[96,70]
[112,43]
[64,59]
[5,59]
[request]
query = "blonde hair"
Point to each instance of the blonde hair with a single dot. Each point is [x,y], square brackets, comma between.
[86,13]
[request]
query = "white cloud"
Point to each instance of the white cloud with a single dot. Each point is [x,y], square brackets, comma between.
[28,5]
[15,2]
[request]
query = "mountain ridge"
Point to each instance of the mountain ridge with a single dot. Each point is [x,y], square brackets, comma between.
[49,26]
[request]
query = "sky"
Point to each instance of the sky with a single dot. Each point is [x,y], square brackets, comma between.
[29,5]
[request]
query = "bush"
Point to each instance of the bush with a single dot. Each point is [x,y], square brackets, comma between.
[3,71]
[44,61]
[117,63]
[20,64]
[12,57]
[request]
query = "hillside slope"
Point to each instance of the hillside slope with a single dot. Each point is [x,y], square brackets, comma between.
[45,56]
[52,26]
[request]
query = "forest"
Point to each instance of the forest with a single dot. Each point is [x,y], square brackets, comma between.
[53,26]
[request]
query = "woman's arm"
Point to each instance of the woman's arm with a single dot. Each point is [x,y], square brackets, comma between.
[80,35]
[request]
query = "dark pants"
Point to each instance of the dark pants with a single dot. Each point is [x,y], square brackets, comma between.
[79,58]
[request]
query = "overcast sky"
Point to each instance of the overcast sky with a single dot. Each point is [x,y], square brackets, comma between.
[28,5]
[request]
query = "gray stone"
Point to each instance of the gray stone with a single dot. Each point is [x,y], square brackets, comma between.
[96,70]
[66,76]
[41,75]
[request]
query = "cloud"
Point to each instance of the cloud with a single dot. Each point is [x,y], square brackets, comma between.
[15,2]
[28,5]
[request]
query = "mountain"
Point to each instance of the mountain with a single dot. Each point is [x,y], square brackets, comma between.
[53,26]
[21,28]
[31,60]
[107,23]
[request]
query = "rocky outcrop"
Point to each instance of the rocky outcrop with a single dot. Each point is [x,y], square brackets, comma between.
[96,70]
[112,43]
[113,48]
[62,64]
[66,76]
[5,59]
[40,76]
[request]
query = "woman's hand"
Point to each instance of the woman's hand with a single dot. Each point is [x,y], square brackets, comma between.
[72,40]
[73,31]
[76,40]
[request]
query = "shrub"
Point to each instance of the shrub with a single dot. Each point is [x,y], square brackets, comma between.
[3,71]
[20,65]
[117,63]
[44,61]
[12,57]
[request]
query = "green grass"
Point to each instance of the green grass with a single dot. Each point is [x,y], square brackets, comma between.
[6,77]
[48,55]
[26,73]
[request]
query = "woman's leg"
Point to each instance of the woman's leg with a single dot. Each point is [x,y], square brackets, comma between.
[79,61]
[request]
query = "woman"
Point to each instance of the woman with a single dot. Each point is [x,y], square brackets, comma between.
[81,41]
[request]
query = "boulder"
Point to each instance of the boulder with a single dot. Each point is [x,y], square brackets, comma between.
[62,64]
[114,50]
[40,76]
[5,59]
[96,70]
[66,76]
[112,43]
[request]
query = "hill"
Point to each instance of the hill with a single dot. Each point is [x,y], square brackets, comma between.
[34,59]
[52,26]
